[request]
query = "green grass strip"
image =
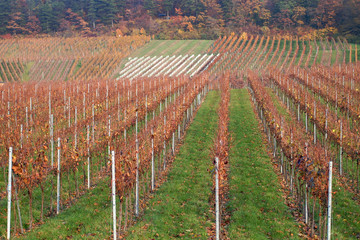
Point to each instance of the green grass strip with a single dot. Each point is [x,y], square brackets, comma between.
[173,47]
[180,208]
[89,218]
[256,204]
[346,214]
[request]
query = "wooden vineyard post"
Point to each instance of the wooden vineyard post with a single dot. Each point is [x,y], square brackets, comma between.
[274,153]
[9,194]
[348,107]
[160,108]
[217,205]
[292,174]
[109,134]
[75,139]
[88,157]
[136,123]
[52,139]
[107,97]
[282,162]
[191,111]
[326,123]
[93,124]
[306,120]
[31,117]
[21,135]
[341,148]
[84,110]
[336,100]
[58,181]
[69,111]
[329,202]
[152,161]
[137,163]
[306,192]
[113,192]
[65,104]
[26,118]
[298,112]
[17,204]
[314,122]
[118,105]
[137,180]
[173,143]
[146,113]
[306,205]
[8,114]
[164,143]
[50,102]
[125,128]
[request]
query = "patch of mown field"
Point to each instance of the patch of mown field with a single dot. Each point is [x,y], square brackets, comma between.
[173,47]
[256,204]
[180,208]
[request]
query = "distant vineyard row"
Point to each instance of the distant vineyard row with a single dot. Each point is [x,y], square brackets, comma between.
[64,59]
[259,52]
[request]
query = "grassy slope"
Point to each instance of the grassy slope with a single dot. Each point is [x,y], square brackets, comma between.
[88,219]
[180,207]
[256,205]
[169,47]
[27,68]
[346,214]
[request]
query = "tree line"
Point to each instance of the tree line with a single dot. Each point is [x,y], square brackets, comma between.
[182,19]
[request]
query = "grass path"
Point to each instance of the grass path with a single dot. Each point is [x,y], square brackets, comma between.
[256,206]
[89,218]
[180,208]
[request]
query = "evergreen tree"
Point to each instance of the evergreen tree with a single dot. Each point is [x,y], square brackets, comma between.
[49,15]
[92,13]
[169,7]
[151,7]
[226,6]
[348,19]
[5,10]
[105,11]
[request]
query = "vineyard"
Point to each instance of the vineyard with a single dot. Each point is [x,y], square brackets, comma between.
[245,137]
[54,59]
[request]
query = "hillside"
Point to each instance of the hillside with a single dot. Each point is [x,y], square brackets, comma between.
[242,137]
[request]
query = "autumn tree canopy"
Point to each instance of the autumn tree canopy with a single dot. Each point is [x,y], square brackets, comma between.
[199,18]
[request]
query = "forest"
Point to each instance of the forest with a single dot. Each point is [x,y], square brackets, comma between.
[187,19]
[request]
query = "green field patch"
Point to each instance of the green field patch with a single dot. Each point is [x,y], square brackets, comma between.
[173,47]
[89,218]
[180,208]
[256,204]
